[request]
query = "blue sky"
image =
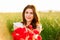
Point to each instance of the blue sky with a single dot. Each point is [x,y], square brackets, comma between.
[18,5]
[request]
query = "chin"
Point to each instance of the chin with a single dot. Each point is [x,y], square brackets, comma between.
[29,20]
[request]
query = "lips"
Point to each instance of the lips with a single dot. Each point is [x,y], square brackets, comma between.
[28,17]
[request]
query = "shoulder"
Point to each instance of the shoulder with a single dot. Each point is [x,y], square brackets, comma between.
[39,27]
[17,25]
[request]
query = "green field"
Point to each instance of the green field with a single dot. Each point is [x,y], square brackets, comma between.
[50,22]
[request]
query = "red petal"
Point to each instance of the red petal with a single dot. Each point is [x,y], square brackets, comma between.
[36,31]
[39,38]
[30,26]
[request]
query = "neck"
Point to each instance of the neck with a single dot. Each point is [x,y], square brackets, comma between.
[28,23]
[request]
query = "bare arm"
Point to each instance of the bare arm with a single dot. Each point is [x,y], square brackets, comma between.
[39,28]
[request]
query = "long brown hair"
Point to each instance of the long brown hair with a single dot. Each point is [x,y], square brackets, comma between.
[35,19]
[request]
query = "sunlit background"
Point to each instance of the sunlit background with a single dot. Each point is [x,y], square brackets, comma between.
[48,13]
[18,5]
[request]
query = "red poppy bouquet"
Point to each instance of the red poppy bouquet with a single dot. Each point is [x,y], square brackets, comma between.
[26,34]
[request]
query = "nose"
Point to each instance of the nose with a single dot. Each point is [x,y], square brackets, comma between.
[29,14]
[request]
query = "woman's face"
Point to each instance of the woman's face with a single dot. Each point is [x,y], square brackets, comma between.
[29,15]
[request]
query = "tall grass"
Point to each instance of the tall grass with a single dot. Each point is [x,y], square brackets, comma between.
[50,29]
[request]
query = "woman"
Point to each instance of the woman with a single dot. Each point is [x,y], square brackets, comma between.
[29,18]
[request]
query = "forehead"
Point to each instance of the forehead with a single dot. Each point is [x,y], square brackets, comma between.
[29,10]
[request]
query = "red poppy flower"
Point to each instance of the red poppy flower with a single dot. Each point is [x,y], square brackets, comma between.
[39,38]
[30,26]
[36,31]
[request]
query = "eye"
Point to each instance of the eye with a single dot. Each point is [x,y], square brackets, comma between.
[31,12]
[26,12]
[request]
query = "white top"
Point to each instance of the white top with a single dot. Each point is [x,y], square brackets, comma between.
[19,24]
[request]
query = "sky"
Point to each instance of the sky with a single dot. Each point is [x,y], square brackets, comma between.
[18,5]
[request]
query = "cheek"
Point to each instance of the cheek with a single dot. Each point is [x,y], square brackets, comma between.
[32,17]
[25,16]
